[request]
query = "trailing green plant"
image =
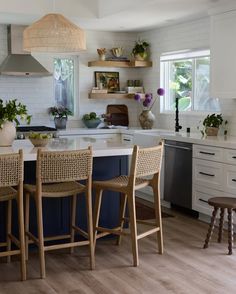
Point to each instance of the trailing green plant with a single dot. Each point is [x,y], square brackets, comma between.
[60,111]
[12,110]
[140,48]
[214,121]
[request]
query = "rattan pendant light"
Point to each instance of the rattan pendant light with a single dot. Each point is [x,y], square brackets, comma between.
[54,33]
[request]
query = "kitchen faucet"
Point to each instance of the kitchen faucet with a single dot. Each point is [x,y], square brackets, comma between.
[177,126]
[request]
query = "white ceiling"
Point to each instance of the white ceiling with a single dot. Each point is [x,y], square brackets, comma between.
[111,15]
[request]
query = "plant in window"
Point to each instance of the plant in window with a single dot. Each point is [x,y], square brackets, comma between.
[60,114]
[140,50]
[211,124]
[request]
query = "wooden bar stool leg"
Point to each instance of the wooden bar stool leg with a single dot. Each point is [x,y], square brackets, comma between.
[230,230]
[9,225]
[211,227]
[90,225]
[40,235]
[73,216]
[27,204]
[123,202]
[97,208]
[221,224]
[21,234]
[133,227]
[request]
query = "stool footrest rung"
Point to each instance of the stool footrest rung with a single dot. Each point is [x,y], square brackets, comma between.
[66,245]
[149,232]
[115,231]
[80,231]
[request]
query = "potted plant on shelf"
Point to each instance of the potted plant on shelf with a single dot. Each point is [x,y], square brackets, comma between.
[211,124]
[10,113]
[140,50]
[60,114]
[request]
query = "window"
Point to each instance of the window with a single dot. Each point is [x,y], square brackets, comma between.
[186,76]
[64,90]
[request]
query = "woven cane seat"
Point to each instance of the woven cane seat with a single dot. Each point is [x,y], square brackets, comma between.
[57,189]
[7,193]
[120,182]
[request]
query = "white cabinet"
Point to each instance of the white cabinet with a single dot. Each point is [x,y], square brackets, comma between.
[214,175]
[223,55]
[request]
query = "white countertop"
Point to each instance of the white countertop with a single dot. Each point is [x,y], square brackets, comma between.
[101,147]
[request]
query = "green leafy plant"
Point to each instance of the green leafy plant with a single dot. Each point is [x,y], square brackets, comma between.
[90,116]
[60,111]
[12,110]
[140,48]
[214,121]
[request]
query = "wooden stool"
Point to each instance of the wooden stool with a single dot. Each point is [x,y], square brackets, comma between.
[222,203]
[57,175]
[11,176]
[145,162]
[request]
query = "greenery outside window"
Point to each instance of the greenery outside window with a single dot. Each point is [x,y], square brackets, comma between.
[186,75]
[64,90]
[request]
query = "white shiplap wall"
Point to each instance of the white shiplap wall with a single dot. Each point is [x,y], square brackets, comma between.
[37,93]
[190,35]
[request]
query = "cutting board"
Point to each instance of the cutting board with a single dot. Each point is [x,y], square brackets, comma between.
[118,114]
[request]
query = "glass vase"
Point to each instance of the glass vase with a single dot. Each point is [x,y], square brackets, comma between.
[147,119]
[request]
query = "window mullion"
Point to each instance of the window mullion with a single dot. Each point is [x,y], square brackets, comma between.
[193,83]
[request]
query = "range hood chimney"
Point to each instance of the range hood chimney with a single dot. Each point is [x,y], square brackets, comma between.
[19,63]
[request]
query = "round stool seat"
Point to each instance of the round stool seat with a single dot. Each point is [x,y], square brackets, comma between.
[223,202]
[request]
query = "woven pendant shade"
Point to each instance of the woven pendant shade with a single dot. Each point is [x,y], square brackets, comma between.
[54,33]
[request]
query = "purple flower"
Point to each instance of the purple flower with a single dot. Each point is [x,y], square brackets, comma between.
[160,91]
[148,96]
[137,97]
[146,103]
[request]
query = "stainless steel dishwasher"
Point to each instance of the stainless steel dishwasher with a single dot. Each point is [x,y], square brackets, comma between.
[178,173]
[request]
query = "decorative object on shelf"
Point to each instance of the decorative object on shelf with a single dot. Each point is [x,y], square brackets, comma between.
[117,52]
[140,50]
[91,120]
[102,53]
[10,111]
[109,80]
[54,33]
[60,114]
[147,118]
[211,124]
[39,139]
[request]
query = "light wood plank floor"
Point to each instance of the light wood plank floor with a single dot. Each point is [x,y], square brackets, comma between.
[184,268]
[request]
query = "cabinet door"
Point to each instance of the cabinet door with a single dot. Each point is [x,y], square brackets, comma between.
[223,57]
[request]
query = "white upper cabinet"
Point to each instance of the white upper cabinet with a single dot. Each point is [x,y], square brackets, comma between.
[223,55]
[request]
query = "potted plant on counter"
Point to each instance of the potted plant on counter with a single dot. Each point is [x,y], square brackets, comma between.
[211,124]
[60,114]
[10,113]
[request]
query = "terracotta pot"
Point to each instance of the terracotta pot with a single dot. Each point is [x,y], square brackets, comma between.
[146,119]
[211,131]
[7,133]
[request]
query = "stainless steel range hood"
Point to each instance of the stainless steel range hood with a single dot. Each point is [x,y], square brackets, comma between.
[19,63]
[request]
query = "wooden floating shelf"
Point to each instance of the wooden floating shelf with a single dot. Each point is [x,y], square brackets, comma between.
[110,96]
[125,63]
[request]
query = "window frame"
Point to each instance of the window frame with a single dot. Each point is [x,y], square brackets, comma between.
[165,67]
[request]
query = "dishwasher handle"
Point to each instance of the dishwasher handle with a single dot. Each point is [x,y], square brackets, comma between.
[178,147]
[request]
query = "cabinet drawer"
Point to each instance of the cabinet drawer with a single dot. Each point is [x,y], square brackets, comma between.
[208,153]
[200,198]
[230,178]
[207,173]
[230,156]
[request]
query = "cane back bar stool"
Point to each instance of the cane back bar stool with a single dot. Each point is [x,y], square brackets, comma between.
[222,203]
[57,175]
[11,176]
[145,162]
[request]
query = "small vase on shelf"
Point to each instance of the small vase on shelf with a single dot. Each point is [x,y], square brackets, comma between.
[146,119]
